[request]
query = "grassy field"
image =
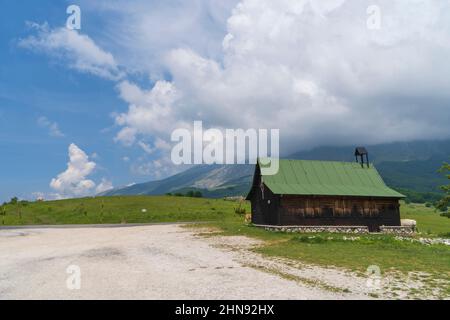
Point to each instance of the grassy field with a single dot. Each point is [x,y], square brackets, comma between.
[323,249]
[120,209]
[428,221]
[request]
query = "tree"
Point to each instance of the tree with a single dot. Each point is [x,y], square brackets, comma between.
[198,194]
[3,213]
[190,193]
[445,201]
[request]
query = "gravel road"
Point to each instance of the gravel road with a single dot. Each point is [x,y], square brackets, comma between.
[139,262]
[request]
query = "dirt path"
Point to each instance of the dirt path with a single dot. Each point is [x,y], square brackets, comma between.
[155,262]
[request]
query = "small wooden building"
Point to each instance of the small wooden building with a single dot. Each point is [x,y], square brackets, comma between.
[323,193]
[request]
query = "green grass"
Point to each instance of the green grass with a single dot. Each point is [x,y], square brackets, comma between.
[383,251]
[123,209]
[428,220]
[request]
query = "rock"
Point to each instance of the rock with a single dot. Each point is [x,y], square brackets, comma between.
[408,223]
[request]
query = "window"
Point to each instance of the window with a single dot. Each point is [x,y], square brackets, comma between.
[356,210]
[327,211]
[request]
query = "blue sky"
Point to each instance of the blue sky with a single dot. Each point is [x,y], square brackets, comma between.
[109,95]
[34,86]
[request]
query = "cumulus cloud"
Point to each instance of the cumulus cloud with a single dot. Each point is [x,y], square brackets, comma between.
[53,128]
[73,181]
[79,50]
[150,111]
[315,71]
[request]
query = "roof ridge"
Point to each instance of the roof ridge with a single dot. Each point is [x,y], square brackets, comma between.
[315,160]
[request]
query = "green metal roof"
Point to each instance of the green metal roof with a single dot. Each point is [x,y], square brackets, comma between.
[311,177]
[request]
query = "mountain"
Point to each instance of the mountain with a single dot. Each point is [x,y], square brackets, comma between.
[212,180]
[406,166]
[389,152]
[403,165]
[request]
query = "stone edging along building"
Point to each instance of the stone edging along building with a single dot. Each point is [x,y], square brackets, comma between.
[311,194]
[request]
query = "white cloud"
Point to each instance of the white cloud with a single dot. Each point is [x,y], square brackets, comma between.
[73,181]
[150,111]
[313,70]
[150,114]
[104,185]
[79,50]
[143,31]
[53,128]
[126,136]
[163,145]
[95,156]
[156,168]
[147,148]
[39,196]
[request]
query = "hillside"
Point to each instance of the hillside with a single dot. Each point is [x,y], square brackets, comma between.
[119,209]
[409,166]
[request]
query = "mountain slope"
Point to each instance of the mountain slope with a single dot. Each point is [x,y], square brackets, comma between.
[404,165]
[211,180]
[391,152]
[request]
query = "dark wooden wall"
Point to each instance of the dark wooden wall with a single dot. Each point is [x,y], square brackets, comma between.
[321,210]
[265,204]
[350,211]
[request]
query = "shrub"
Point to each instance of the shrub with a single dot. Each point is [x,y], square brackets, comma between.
[445,214]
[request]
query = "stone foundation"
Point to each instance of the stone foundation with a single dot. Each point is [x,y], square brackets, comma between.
[316,229]
[397,230]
